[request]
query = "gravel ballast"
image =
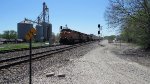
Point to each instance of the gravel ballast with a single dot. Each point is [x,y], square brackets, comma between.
[19,74]
[98,66]
[9,55]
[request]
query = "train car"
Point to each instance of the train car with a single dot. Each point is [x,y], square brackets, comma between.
[94,38]
[83,37]
[90,38]
[68,36]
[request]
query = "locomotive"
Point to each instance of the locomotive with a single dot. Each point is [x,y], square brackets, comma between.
[68,36]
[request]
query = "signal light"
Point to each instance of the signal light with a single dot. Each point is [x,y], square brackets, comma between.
[60,27]
[98,32]
[98,25]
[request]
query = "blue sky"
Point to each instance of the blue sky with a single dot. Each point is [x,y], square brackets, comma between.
[79,15]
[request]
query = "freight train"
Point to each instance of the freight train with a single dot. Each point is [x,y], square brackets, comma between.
[68,36]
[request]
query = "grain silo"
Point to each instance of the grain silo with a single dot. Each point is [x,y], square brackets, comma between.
[22,29]
[39,34]
[47,31]
[49,34]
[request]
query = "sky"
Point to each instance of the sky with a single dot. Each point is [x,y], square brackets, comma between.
[79,15]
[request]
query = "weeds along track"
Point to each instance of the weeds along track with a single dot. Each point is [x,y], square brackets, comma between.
[21,49]
[6,63]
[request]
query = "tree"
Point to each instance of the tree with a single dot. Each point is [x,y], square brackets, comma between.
[1,36]
[53,37]
[13,34]
[132,17]
[57,37]
[10,34]
[111,37]
[120,11]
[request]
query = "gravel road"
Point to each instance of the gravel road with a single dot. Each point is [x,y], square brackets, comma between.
[99,66]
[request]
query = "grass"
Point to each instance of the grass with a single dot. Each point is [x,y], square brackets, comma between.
[11,46]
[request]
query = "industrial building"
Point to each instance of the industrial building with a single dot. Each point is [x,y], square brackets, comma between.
[42,25]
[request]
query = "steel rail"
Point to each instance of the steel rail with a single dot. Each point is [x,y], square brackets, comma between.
[18,60]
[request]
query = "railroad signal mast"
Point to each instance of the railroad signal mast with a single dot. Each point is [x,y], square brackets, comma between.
[99,31]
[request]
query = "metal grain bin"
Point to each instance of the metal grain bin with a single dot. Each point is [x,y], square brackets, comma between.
[22,29]
[39,34]
[50,33]
[47,31]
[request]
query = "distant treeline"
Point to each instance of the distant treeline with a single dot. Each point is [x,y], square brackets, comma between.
[9,34]
[111,37]
[132,17]
[12,34]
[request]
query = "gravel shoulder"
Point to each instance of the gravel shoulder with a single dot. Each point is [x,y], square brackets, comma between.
[132,53]
[98,66]
[91,64]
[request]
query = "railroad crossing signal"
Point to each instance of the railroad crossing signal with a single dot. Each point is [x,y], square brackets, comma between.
[30,34]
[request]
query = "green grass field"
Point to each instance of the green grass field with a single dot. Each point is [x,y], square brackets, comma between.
[11,46]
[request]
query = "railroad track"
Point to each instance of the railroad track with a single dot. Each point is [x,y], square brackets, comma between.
[21,49]
[6,63]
